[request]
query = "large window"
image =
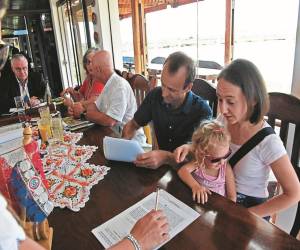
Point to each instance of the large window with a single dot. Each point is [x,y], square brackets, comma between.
[265,33]
[175,29]
[74,40]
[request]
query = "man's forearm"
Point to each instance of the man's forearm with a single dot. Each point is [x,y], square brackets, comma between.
[129,129]
[98,117]
[170,158]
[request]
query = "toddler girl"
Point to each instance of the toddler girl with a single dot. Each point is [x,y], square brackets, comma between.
[208,171]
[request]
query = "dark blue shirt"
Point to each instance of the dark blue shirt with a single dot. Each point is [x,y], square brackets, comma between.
[173,128]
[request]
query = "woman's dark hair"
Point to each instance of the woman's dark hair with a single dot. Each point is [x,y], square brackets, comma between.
[245,74]
[85,60]
[178,59]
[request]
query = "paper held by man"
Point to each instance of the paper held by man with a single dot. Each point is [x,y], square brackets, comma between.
[179,216]
[117,149]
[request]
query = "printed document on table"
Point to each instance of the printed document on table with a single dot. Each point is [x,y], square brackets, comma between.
[179,217]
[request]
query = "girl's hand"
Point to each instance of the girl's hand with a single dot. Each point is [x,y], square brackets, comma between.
[181,152]
[200,193]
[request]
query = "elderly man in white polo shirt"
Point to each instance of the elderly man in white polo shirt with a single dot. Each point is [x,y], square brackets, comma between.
[116,104]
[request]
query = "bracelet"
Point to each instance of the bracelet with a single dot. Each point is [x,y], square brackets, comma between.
[134,242]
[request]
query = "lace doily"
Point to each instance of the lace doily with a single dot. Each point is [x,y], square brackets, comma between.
[69,176]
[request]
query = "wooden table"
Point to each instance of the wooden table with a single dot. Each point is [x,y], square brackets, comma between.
[222,224]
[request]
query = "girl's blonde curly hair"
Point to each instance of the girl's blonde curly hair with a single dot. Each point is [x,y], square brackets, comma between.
[209,134]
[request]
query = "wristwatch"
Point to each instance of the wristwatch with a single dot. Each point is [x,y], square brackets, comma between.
[82,116]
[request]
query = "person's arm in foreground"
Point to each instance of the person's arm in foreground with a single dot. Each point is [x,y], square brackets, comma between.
[94,115]
[288,180]
[29,244]
[150,231]
[200,193]
[230,184]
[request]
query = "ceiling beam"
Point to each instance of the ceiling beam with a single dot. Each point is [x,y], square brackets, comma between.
[26,12]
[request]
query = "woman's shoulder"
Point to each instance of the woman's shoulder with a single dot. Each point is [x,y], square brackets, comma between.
[271,148]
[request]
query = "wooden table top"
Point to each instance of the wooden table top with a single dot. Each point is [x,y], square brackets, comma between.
[222,224]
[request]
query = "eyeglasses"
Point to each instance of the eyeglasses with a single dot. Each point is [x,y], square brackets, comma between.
[21,69]
[217,160]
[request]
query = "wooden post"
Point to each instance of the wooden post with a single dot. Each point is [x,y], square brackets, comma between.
[228,33]
[139,36]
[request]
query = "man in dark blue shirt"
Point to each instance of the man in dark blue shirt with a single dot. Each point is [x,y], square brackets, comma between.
[174,110]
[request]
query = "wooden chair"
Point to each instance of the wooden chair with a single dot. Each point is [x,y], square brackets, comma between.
[140,86]
[285,110]
[205,90]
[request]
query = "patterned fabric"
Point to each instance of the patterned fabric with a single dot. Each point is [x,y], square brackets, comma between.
[69,176]
[30,191]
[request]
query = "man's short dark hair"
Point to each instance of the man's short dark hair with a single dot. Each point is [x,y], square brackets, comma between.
[178,59]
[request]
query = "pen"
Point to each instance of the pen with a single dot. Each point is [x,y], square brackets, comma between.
[156,200]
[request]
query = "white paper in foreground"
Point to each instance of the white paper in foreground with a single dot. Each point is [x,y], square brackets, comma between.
[179,217]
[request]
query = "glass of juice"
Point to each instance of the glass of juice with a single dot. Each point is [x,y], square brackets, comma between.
[44,129]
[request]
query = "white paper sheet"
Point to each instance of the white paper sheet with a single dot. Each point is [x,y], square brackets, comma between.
[13,110]
[179,217]
[11,132]
[120,149]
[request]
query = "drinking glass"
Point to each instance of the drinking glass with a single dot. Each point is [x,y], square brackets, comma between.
[44,112]
[20,108]
[57,129]
[45,129]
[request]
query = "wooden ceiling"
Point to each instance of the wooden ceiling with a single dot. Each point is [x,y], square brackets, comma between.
[150,5]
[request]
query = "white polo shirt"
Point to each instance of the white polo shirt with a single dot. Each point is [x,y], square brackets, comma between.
[117,100]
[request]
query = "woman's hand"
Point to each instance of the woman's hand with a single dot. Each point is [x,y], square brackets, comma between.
[200,193]
[70,111]
[67,90]
[68,102]
[181,152]
[151,230]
